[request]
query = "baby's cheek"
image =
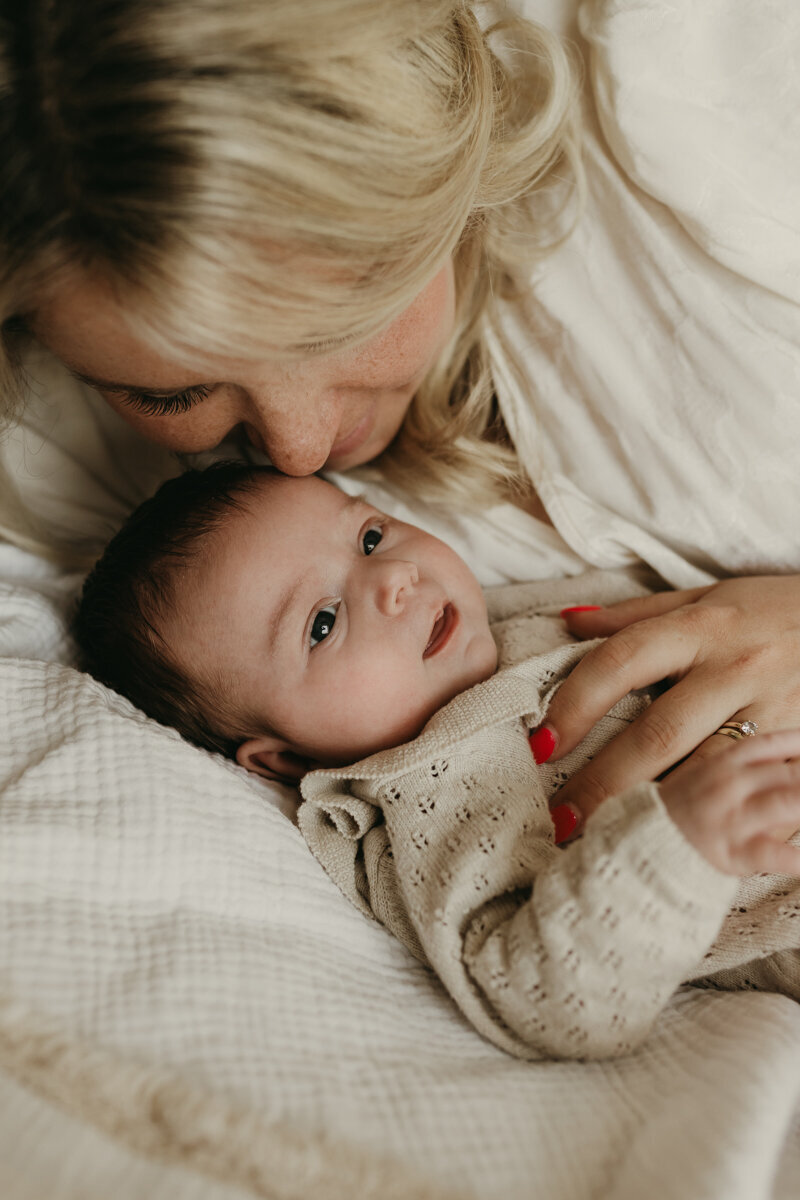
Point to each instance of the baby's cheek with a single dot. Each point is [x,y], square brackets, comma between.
[402,712]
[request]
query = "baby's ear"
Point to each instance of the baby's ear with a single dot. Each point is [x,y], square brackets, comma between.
[272,758]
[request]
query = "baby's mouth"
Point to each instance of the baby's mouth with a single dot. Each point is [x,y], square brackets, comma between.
[442,631]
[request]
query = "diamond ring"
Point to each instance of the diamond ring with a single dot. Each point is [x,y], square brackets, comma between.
[738,729]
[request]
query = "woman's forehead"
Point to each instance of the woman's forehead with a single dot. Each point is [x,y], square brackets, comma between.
[85,313]
[87,324]
[83,324]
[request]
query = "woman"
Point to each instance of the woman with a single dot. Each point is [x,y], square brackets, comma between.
[313,224]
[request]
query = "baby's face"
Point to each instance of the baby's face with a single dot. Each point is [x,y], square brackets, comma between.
[334,626]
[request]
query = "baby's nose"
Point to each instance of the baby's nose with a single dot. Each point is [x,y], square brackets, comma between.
[396,581]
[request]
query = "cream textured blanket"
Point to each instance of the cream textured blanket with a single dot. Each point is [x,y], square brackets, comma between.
[191,1008]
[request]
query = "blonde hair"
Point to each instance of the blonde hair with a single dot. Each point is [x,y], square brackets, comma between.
[263,177]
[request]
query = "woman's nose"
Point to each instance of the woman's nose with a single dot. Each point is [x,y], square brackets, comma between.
[395,580]
[296,432]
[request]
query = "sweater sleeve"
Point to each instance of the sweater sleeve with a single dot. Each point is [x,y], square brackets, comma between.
[612,926]
[549,953]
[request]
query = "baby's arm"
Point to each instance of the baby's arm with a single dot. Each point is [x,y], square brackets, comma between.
[549,952]
[617,922]
[613,924]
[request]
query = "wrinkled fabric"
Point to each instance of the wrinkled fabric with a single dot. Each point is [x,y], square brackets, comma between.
[657,412]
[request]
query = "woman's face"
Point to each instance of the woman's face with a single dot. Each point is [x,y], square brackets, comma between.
[333,411]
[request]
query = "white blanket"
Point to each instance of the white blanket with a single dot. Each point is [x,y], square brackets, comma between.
[189,1009]
[184,985]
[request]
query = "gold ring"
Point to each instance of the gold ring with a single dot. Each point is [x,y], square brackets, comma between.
[738,729]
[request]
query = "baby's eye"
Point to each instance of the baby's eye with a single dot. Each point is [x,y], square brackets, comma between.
[322,624]
[372,538]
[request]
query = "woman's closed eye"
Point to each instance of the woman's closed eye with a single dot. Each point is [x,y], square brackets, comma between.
[322,625]
[163,406]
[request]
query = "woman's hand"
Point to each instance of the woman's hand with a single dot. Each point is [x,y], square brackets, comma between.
[731,652]
[738,809]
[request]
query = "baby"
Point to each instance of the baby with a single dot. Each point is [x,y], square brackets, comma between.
[298,630]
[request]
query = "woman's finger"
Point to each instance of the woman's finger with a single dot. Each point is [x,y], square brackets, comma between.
[637,656]
[588,622]
[776,746]
[748,750]
[715,744]
[735,653]
[665,733]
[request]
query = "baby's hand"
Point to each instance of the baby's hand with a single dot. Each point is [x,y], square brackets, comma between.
[738,807]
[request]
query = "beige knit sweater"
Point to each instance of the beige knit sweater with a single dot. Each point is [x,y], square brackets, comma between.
[549,952]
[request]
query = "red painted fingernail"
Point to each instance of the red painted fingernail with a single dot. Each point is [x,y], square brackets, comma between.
[580,608]
[565,820]
[542,743]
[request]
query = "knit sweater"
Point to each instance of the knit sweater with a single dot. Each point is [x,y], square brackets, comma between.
[549,952]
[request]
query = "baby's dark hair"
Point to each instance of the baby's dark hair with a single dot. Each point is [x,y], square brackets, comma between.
[132,589]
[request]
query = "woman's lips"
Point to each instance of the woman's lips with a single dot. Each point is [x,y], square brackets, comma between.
[443,629]
[354,439]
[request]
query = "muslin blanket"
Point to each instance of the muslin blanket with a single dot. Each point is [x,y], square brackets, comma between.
[191,1008]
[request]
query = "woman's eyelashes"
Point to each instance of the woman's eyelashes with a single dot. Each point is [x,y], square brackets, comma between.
[323,624]
[164,406]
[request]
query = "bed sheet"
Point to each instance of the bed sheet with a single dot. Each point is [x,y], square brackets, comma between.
[183,985]
[188,1006]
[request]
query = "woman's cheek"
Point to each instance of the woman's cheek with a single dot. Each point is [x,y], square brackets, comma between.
[410,345]
[201,428]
